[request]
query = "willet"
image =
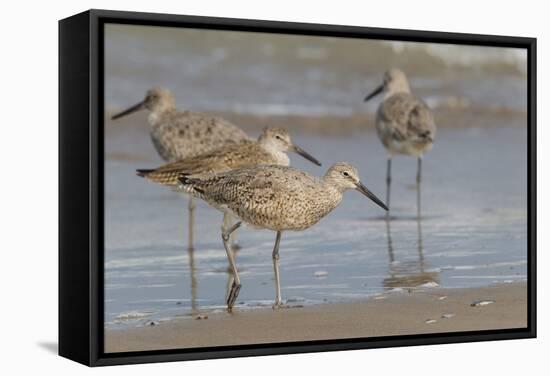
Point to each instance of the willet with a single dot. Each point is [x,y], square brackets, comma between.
[278,198]
[181,134]
[269,149]
[404,123]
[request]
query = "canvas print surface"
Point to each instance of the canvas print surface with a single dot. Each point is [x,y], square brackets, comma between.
[268,188]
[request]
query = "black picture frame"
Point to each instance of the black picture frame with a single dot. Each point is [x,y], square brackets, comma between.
[81,123]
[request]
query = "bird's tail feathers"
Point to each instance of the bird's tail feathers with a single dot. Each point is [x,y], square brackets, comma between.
[426,136]
[144,172]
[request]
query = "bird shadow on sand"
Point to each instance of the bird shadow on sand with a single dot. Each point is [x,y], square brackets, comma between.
[51,347]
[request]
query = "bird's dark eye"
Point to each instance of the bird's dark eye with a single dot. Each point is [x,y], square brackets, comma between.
[345,173]
[278,137]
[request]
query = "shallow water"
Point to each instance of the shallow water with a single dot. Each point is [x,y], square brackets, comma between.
[472,231]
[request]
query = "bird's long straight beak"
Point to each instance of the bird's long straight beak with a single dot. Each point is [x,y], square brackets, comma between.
[134,108]
[305,154]
[364,190]
[376,91]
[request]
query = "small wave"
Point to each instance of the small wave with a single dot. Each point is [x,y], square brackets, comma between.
[133,315]
[469,57]
[281,109]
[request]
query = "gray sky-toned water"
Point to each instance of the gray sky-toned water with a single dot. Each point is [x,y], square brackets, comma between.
[281,74]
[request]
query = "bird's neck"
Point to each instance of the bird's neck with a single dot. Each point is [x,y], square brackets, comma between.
[333,195]
[402,88]
[280,157]
[157,114]
[331,184]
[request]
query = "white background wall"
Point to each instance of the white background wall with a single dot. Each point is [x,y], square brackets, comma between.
[28,185]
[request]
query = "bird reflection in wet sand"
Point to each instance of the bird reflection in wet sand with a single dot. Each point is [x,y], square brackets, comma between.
[408,274]
[195,311]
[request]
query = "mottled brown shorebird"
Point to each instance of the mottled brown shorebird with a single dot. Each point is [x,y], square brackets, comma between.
[404,123]
[270,149]
[278,198]
[181,134]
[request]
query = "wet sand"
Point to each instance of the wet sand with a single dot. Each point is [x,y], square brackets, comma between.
[334,125]
[396,313]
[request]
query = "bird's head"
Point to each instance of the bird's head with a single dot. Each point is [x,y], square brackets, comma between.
[280,140]
[395,81]
[344,176]
[157,99]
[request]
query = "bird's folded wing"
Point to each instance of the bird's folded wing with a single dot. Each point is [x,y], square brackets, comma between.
[420,121]
[406,116]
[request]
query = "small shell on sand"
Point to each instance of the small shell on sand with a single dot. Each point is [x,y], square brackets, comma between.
[448,315]
[430,321]
[479,303]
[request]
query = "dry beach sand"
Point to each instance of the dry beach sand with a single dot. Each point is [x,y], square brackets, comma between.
[420,311]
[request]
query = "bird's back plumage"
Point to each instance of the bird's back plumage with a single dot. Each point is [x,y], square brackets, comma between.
[405,124]
[182,134]
[245,154]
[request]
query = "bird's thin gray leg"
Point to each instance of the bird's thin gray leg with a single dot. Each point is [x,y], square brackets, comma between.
[418,185]
[236,285]
[278,301]
[388,184]
[191,207]
[227,222]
